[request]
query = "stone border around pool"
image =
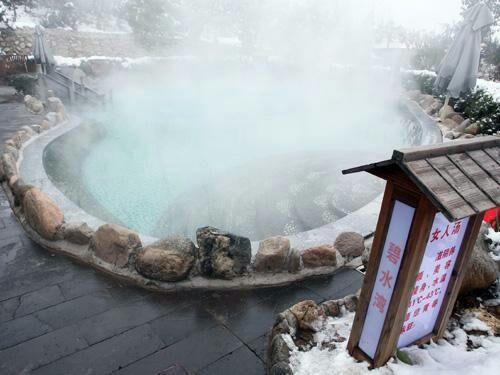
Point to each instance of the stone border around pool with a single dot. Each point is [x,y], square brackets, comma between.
[219,260]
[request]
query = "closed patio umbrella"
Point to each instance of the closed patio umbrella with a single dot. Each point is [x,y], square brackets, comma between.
[41,52]
[457,72]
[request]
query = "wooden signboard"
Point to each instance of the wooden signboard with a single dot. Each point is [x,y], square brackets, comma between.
[429,220]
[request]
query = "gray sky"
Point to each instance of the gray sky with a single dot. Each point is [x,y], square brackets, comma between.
[418,14]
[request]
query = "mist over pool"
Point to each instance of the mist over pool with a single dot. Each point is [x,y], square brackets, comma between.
[253,148]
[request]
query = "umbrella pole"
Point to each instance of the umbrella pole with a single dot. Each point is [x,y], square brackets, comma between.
[446,100]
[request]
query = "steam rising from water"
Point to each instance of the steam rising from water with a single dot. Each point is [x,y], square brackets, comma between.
[252,138]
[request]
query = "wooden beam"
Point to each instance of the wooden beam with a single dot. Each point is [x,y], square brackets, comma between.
[368,167]
[371,272]
[428,151]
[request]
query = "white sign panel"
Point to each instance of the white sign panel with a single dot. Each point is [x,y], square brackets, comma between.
[395,243]
[433,277]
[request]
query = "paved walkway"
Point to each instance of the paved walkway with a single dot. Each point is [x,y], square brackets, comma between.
[57,317]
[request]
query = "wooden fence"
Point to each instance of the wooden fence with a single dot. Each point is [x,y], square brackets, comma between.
[15,64]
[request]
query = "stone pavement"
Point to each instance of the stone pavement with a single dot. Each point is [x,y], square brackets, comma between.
[58,317]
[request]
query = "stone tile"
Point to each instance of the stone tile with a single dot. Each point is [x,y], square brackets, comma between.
[175,369]
[20,262]
[120,319]
[72,311]
[10,230]
[181,323]
[259,319]
[124,293]
[259,347]
[223,305]
[39,351]
[38,278]
[38,300]
[343,282]
[10,251]
[18,330]
[243,359]
[8,308]
[85,283]
[107,356]
[192,353]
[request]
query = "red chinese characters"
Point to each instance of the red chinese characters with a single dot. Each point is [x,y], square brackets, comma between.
[386,279]
[394,253]
[380,302]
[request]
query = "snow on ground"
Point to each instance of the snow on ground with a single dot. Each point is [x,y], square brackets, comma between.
[450,356]
[490,86]
[126,62]
[494,237]
[23,19]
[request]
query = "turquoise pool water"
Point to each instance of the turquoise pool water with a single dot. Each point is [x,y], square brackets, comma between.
[249,150]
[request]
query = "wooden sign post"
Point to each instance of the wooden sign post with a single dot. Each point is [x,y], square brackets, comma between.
[428,223]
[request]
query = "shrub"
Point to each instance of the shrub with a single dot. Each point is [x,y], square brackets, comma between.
[24,83]
[480,107]
[421,81]
[152,21]
[62,16]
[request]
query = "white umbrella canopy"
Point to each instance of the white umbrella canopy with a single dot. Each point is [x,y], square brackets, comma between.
[41,52]
[457,72]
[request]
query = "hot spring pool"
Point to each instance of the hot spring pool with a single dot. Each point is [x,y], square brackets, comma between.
[252,151]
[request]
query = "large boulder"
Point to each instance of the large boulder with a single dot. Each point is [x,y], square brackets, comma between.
[115,244]
[319,256]
[481,270]
[19,189]
[8,149]
[170,259]
[77,233]
[464,125]
[350,244]
[366,252]
[222,254]
[29,130]
[20,137]
[9,166]
[272,254]
[446,111]
[42,213]
[414,94]
[55,104]
[457,118]
[448,123]
[306,313]
[33,104]
[433,108]
[52,118]
[426,100]
[472,129]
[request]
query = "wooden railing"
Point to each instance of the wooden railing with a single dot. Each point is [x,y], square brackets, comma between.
[73,91]
[15,64]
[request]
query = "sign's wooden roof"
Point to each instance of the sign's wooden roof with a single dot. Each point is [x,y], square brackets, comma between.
[461,178]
